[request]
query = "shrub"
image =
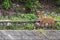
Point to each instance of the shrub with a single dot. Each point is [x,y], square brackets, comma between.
[31,4]
[6,4]
[57,2]
[57,26]
[58,9]
[11,27]
[29,26]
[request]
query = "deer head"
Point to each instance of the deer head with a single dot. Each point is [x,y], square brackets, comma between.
[40,15]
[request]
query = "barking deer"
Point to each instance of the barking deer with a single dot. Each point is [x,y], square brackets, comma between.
[43,20]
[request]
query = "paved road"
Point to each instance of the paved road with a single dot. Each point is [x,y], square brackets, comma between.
[28,35]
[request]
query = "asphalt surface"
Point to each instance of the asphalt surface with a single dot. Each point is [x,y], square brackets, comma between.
[29,35]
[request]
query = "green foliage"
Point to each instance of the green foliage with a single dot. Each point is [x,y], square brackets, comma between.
[57,26]
[11,27]
[1,27]
[21,17]
[58,9]
[29,26]
[31,4]
[24,26]
[57,2]
[52,15]
[4,18]
[57,18]
[6,4]
[28,16]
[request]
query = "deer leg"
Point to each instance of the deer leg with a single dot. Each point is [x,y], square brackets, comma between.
[49,25]
[52,25]
[42,25]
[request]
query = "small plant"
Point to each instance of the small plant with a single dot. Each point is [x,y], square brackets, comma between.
[42,32]
[57,26]
[6,4]
[29,26]
[11,27]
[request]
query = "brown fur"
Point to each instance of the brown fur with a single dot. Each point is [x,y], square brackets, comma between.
[43,21]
